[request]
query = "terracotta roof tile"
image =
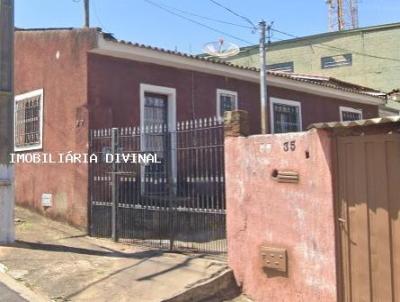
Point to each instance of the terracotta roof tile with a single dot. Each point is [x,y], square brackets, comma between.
[310,79]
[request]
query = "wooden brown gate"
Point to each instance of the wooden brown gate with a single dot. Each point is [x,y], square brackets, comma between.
[368,217]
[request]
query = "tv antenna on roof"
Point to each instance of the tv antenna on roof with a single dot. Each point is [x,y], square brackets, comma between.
[221,49]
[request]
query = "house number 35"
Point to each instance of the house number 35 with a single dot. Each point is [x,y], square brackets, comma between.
[289,146]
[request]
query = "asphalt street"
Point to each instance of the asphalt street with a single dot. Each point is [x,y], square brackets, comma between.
[8,295]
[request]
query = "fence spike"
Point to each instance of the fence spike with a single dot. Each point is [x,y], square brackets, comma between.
[215,121]
[192,179]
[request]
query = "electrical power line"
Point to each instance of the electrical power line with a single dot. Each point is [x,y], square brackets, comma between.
[322,45]
[235,13]
[98,17]
[206,18]
[196,22]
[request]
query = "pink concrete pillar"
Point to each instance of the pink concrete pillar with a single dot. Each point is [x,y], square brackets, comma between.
[298,217]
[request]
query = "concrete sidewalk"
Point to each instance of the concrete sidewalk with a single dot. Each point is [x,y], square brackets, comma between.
[13,291]
[60,263]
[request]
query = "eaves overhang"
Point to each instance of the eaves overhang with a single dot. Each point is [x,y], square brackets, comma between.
[129,51]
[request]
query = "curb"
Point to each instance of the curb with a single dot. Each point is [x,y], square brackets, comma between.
[216,289]
[19,288]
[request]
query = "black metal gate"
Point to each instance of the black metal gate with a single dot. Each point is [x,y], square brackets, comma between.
[177,203]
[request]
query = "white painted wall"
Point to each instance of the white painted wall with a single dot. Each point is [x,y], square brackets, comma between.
[7,232]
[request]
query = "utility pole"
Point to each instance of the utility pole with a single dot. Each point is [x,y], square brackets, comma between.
[6,120]
[263,79]
[87,13]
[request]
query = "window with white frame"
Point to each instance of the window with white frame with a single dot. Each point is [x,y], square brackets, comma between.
[226,101]
[28,121]
[285,116]
[350,114]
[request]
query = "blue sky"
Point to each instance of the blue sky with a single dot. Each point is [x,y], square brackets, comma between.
[139,21]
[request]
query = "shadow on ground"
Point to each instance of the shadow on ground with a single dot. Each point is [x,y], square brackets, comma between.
[61,263]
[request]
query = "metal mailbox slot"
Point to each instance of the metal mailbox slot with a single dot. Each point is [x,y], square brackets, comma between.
[286,176]
[274,258]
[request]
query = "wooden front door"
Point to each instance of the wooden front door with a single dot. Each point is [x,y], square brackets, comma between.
[369,217]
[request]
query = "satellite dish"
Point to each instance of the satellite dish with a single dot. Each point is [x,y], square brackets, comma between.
[221,49]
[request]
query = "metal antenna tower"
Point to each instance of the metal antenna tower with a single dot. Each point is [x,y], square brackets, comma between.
[343,14]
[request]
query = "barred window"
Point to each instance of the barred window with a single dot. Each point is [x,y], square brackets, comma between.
[286,116]
[226,101]
[155,122]
[350,114]
[28,121]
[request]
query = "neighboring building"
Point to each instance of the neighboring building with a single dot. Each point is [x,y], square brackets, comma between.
[367,56]
[71,80]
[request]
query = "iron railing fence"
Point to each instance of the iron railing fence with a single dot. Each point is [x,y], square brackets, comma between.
[177,203]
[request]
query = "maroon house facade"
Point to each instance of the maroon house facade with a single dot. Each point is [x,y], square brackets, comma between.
[69,81]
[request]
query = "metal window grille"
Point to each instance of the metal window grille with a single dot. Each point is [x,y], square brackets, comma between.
[155,140]
[336,61]
[227,103]
[284,67]
[286,118]
[155,115]
[28,122]
[351,116]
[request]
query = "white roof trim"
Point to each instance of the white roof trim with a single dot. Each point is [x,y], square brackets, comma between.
[131,52]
